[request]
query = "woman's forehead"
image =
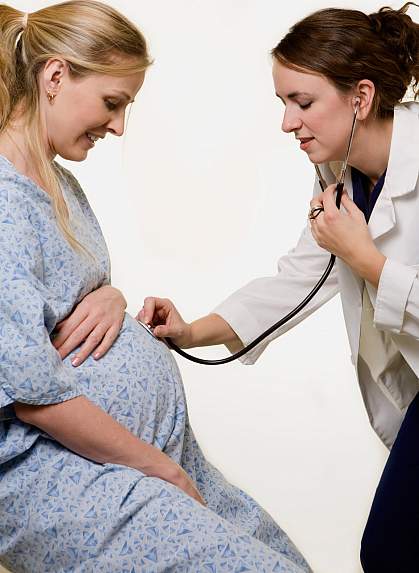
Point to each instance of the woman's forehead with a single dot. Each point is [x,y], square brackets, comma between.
[123,86]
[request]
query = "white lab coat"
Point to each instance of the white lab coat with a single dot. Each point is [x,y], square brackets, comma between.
[394,309]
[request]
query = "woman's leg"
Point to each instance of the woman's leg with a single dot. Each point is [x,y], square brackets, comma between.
[234,505]
[390,541]
[82,517]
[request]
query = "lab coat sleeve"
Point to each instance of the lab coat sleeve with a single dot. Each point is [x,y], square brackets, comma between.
[397,302]
[258,305]
[31,370]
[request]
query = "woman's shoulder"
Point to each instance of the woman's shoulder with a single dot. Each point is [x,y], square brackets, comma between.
[66,175]
[71,183]
[18,191]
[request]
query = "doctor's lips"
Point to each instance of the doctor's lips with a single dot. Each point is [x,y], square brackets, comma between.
[304,142]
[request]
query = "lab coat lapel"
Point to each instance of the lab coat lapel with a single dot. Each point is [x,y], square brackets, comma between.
[383,217]
[402,171]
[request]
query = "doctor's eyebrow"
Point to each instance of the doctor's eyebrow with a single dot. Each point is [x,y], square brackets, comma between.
[293,95]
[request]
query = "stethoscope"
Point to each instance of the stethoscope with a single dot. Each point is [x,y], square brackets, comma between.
[313,214]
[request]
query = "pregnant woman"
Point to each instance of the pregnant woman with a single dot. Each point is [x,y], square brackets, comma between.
[99,469]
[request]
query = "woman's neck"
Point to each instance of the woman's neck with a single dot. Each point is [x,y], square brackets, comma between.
[371,147]
[13,146]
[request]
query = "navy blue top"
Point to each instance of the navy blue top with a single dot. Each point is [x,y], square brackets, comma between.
[363,199]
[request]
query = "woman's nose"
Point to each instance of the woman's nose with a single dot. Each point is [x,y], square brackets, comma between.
[116,125]
[290,121]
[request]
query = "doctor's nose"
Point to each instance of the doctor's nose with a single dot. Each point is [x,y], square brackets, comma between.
[290,121]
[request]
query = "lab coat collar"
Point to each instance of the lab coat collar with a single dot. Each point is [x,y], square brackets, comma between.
[403,164]
[402,170]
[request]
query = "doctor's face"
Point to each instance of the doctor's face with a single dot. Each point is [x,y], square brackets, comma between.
[319,116]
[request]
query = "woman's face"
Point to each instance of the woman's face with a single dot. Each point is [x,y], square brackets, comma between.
[85,110]
[317,114]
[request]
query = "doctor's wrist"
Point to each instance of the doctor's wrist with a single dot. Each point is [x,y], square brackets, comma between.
[368,263]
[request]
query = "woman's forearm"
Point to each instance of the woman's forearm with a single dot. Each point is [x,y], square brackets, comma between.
[213,329]
[87,430]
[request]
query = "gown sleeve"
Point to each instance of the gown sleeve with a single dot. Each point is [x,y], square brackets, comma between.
[31,370]
[258,305]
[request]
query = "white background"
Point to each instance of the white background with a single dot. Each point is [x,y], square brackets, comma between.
[203,194]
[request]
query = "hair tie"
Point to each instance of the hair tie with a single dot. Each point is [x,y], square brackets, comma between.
[24,24]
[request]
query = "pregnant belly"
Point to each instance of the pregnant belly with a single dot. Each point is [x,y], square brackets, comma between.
[137,382]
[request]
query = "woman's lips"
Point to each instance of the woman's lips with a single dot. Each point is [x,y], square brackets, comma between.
[305,142]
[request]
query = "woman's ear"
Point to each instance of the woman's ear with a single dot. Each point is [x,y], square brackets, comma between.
[53,74]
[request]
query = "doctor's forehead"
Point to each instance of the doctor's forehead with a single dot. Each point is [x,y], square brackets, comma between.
[290,83]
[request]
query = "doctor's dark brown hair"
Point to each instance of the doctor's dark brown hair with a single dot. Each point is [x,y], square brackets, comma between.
[347,46]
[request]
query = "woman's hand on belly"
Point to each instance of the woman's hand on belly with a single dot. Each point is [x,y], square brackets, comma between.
[96,320]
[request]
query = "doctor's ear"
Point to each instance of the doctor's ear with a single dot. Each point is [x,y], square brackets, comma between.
[363,98]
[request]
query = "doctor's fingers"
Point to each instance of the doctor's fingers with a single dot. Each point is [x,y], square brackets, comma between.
[351,208]
[329,199]
[156,310]
[317,201]
[146,314]
[315,232]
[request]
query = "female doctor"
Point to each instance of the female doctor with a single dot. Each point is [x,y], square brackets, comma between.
[363,62]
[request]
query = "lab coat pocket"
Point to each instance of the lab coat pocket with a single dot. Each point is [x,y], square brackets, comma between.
[397,379]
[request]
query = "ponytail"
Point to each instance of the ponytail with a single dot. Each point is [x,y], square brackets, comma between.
[401,35]
[12,24]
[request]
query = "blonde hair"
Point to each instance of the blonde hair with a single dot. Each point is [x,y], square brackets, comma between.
[92,37]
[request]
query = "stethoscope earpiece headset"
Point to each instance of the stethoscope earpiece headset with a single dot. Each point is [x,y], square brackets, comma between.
[310,296]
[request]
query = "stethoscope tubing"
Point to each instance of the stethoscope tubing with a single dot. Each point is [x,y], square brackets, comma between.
[303,303]
[265,334]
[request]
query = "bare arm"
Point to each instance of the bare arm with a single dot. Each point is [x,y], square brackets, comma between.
[213,329]
[206,331]
[87,430]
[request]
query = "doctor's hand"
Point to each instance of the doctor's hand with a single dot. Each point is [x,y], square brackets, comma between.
[345,233]
[162,315]
[96,321]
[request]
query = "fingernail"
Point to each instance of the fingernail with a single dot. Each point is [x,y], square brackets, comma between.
[96,355]
[75,361]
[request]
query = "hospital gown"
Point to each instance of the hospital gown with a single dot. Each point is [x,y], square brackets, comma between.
[60,512]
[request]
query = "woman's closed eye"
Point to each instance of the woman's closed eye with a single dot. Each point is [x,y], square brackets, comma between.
[305,105]
[111,105]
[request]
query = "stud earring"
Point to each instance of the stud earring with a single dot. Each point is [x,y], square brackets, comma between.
[50,96]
